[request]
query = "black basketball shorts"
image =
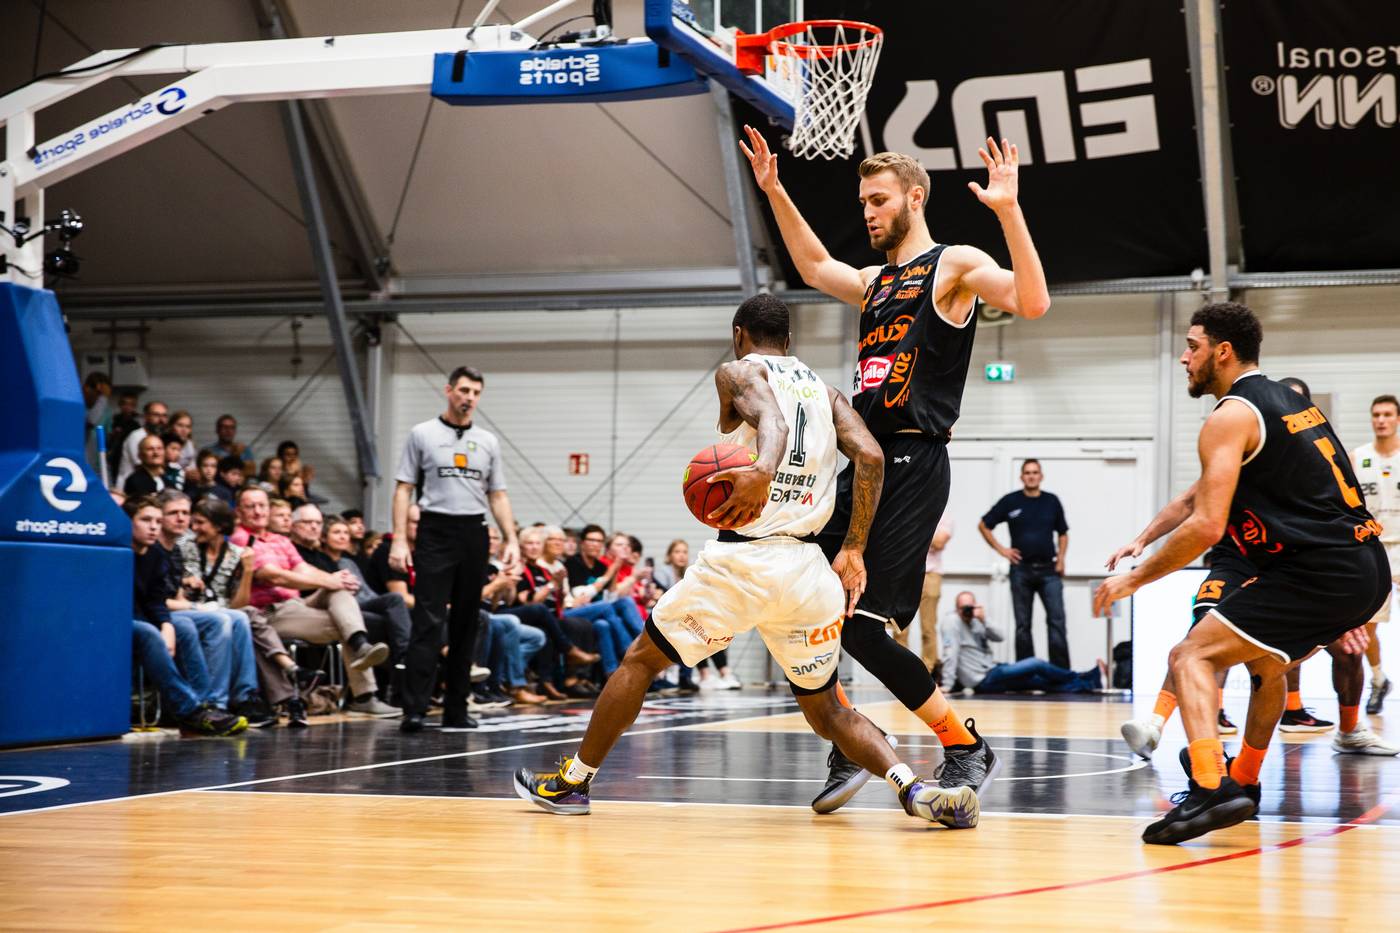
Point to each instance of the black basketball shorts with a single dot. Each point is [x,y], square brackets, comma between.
[917,475]
[1299,602]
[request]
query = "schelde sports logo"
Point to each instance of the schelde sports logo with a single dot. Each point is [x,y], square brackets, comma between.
[62,489]
[48,484]
[165,102]
[577,70]
[1308,86]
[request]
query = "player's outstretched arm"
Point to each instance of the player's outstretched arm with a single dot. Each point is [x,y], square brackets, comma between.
[817,267]
[745,396]
[1022,289]
[1228,433]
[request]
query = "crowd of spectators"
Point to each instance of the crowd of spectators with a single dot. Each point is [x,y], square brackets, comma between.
[247,596]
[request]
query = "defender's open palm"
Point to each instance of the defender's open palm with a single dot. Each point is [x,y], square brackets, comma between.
[1002,163]
[763,160]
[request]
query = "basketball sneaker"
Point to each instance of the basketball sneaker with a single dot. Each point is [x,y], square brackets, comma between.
[1142,737]
[1199,811]
[1224,725]
[1362,741]
[1378,695]
[209,720]
[551,792]
[957,808]
[974,765]
[844,777]
[1254,792]
[1302,720]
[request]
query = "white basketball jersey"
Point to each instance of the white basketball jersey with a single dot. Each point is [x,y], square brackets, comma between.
[803,493]
[1379,477]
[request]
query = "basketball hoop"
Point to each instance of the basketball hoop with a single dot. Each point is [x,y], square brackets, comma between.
[825,67]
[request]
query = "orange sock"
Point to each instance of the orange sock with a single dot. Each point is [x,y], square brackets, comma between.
[841,696]
[1295,700]
[951,731]
[1349,718]
[1207,762]
[1165,706]
[1245,768]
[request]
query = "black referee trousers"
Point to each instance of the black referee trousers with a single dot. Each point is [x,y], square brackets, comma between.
[449,562]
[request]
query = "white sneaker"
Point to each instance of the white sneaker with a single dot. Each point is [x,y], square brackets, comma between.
[1142,737]
[729,682]
[710,683]
[1362,741]
[373,707]
[480,673]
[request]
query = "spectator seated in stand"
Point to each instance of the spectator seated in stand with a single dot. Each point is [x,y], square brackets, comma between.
[270,476]
[205,483]
[148,478]
[330,614]
[153,634]
[154,417]
[292,465]
[355,520]
[216,653]
[967,659]
[616,622]
[228,477]
[279,516]
[219,575]
[182,426]
[508,645]
[123,423]
[226,427]
[539,603]
[174,475]
[293,489]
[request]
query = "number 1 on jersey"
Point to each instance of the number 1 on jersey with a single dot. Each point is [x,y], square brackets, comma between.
[1349,493]
[798,456]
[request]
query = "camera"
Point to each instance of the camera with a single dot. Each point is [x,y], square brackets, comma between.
[966,612]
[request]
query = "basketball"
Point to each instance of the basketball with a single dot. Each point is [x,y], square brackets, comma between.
[701,497]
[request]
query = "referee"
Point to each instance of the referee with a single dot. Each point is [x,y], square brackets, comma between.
[456,468]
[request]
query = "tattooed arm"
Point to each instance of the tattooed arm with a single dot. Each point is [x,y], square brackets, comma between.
[854,440]
[745,397]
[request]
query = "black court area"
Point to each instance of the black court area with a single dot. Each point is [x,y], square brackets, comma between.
[746,748]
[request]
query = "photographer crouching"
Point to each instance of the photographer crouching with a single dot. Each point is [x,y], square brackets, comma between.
[967,659]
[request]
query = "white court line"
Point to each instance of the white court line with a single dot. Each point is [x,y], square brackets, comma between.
[1012,814]
[369,767]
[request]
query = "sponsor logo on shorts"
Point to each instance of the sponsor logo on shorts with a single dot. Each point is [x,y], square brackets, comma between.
[699,631]
[816,664]
[825,633]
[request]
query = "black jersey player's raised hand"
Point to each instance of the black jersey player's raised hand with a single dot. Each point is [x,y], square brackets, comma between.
[1002,182]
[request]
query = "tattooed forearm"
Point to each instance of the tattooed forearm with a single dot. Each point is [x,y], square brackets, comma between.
[865,497]
[744,391]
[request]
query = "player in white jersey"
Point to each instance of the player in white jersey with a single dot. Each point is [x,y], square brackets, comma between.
[1377,467]
[766,571]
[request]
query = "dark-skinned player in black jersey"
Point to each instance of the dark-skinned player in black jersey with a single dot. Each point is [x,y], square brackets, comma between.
[1276,481]
[917,323]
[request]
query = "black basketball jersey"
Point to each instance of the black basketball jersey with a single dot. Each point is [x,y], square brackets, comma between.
[1296,490]
[912,363]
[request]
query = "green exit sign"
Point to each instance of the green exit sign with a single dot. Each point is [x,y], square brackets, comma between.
[1000,372]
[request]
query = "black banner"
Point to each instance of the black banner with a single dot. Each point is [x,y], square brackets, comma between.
[1312,90]
[1095,93]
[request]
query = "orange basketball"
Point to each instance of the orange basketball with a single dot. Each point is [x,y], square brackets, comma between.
[702,497]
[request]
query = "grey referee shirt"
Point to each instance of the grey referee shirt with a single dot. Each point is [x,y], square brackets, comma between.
[456,467]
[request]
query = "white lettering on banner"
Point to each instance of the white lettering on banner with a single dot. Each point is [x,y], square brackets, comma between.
[1331,101]
[1006,97]
[55,527]
[573,69]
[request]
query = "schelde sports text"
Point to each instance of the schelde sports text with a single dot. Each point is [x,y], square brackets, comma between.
[55,527]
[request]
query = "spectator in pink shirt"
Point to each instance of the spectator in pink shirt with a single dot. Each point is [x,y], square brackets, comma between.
[328,615]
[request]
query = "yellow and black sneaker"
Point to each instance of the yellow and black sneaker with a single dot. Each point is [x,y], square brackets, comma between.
[551,792]
[208,720]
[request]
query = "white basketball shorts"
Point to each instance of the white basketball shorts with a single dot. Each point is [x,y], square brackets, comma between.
[783,587]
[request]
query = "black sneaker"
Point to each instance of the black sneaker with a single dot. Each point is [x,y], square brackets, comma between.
[210,721]
[256,711]
[1378,695]
[974,765]
[551,792]
[1302,720]
[1200,811]
[411,722]
[458,722]
[844,777]
[1224,725]
[1254,792]
[296,714]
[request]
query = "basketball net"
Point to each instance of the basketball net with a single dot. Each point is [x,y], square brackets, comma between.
[826,68]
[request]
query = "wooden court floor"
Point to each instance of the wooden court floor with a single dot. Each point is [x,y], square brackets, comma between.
[700,822]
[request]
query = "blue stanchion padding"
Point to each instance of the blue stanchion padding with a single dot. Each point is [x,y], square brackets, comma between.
[636,70]
[65,556]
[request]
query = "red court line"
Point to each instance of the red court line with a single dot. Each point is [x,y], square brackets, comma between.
[1370,816]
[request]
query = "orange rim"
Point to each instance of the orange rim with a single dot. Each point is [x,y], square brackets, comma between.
[752,47]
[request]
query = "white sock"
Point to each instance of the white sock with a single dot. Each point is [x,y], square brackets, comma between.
[577,772]
[1158,720]
[900,776]
[1377,675]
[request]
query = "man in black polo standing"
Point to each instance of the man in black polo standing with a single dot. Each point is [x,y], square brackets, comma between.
[1036,519]
[456,468]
